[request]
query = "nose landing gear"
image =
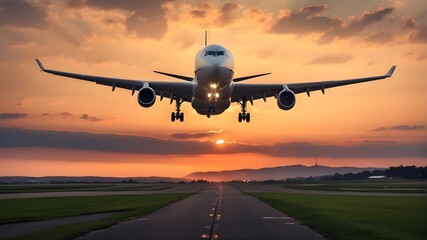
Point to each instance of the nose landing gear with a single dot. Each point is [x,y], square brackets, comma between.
[211,109]
[244,116]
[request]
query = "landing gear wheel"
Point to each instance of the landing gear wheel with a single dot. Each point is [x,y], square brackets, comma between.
[244,116]
[177,115]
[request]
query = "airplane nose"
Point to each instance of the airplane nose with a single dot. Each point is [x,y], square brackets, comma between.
[218,63]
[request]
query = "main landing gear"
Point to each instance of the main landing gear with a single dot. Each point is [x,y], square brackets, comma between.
[178,115]
[244,116]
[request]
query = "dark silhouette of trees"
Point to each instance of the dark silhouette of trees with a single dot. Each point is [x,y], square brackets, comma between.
[403,172]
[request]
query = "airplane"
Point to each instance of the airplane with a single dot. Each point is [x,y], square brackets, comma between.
[213,87]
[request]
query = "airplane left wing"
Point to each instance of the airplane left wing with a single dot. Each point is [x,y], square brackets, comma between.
[257,91]
[181,90]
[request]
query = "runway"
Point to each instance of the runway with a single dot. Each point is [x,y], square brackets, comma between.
[219,211]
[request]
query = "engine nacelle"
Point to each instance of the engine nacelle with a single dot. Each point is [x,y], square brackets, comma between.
[146,97]
[286,99]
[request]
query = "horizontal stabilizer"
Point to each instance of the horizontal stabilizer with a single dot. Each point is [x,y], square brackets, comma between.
[176,76]
[239,79]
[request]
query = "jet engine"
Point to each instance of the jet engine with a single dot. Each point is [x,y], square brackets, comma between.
[146,97]
[286,99]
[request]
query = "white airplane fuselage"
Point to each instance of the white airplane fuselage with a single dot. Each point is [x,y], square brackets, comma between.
[213,81]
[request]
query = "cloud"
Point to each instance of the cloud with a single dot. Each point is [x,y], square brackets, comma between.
[201,11]
[421,58]
[408,23]
[23,14]
[356,26]
[400,127]
[20,138]
[331,59]
[380,38]
[68,115]
[24,45]
[147,19]
[4,116]
[195,135]
[418,33]
[419,36]
[87,117]
[407,127]
[379,129]
[260,16]
[378,141]
[306,20]
[75,3]
[309,20]
[228,13]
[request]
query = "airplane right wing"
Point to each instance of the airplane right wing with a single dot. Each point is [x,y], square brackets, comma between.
[257,91]
[173,90]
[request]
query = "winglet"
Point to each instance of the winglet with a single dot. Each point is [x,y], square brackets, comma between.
[391,71]
[40,65]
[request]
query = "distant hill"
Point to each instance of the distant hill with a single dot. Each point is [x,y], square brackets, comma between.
[275,173]
[86,179]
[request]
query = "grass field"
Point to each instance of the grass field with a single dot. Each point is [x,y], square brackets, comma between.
[125,207]
[355,217]
[27,188]
[398,186]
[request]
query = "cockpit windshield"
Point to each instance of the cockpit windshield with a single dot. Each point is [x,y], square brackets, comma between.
[214,53]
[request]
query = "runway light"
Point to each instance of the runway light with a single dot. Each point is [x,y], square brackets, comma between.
[220,141]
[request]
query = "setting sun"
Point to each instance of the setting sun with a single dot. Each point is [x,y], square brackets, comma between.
[220,141]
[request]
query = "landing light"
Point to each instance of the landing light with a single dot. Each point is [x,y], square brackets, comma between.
[209,95]
[213,85]
[216,94]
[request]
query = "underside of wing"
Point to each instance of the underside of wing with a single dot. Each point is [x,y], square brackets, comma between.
[173,90]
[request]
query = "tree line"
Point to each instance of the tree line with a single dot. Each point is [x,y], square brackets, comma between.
[402,172]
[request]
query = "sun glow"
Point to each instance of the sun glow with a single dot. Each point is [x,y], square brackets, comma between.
[220,141]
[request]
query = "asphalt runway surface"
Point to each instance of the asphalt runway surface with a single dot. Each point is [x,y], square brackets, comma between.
[220,211]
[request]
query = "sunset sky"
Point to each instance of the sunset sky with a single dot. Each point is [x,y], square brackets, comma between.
[51,125]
